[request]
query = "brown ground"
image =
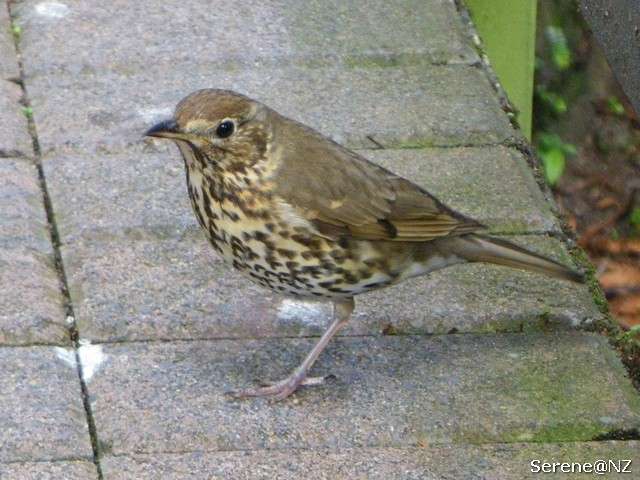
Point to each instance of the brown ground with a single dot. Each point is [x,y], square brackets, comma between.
[599,191]
[599,195]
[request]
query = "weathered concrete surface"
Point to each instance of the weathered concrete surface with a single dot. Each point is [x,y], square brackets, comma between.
[14,136]
[402,106]
[22,214]
[389,392]
[454,462]
[9,64]
[67,470]
[32,310]
[132,289]
[299,59]
[107,196]
[177,32]
[41,409]
[100,195]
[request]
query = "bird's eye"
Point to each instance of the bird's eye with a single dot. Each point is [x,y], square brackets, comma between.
[225,129]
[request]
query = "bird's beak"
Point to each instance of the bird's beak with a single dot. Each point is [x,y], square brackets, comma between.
[165,129]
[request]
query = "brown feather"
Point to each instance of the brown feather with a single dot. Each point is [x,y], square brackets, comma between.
[356,197]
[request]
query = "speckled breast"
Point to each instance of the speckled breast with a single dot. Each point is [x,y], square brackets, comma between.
[262,237]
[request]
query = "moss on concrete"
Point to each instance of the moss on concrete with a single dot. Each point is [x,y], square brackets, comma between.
[628,346]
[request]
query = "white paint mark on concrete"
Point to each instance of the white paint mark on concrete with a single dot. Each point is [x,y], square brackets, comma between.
[52,9]
[91,358]
[309,313]
[67,356]
[155,114]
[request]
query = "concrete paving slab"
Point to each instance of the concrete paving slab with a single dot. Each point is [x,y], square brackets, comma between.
[14,136]
[41,411]
[389,392]
[29,288]
[102,195]
[22,214]
[131,289]
[56,34]
[60,470]
[97,195]
[442,462]
[404,106]
[8,61]
[32,307]
[15,140]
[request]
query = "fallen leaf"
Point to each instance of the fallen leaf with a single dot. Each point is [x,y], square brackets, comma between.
[626,310]
[607,202]
[616,247]
[620,275]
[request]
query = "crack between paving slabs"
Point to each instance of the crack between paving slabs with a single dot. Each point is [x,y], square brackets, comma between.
[55,240]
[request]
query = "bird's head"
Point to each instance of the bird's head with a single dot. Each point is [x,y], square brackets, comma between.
[228,129]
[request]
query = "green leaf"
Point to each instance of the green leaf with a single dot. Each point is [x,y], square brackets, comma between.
[559,105]
[549,141]
[634,218]
[553,100]
[615,106]
[552,141]
[554,164]
[561,57]
[569,149]
[560,51]
[16,30]
[632,335]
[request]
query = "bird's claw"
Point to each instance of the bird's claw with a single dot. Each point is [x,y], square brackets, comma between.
[278,391]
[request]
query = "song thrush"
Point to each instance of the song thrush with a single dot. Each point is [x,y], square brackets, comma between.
[306,217]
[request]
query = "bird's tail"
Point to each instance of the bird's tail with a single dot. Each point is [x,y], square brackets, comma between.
[478,248]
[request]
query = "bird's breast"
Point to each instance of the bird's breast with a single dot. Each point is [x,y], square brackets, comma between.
[270,241]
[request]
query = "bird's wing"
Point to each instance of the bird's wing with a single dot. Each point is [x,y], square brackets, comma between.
[342,193]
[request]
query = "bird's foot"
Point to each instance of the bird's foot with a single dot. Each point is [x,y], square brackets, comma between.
[280,390]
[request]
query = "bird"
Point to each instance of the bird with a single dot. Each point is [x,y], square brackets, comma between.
[306,217]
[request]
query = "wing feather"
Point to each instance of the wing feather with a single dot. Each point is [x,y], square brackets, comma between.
[356,198]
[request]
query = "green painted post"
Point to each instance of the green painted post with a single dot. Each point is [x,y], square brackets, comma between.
[508,32]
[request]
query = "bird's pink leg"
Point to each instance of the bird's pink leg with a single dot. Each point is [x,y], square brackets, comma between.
[280,390]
